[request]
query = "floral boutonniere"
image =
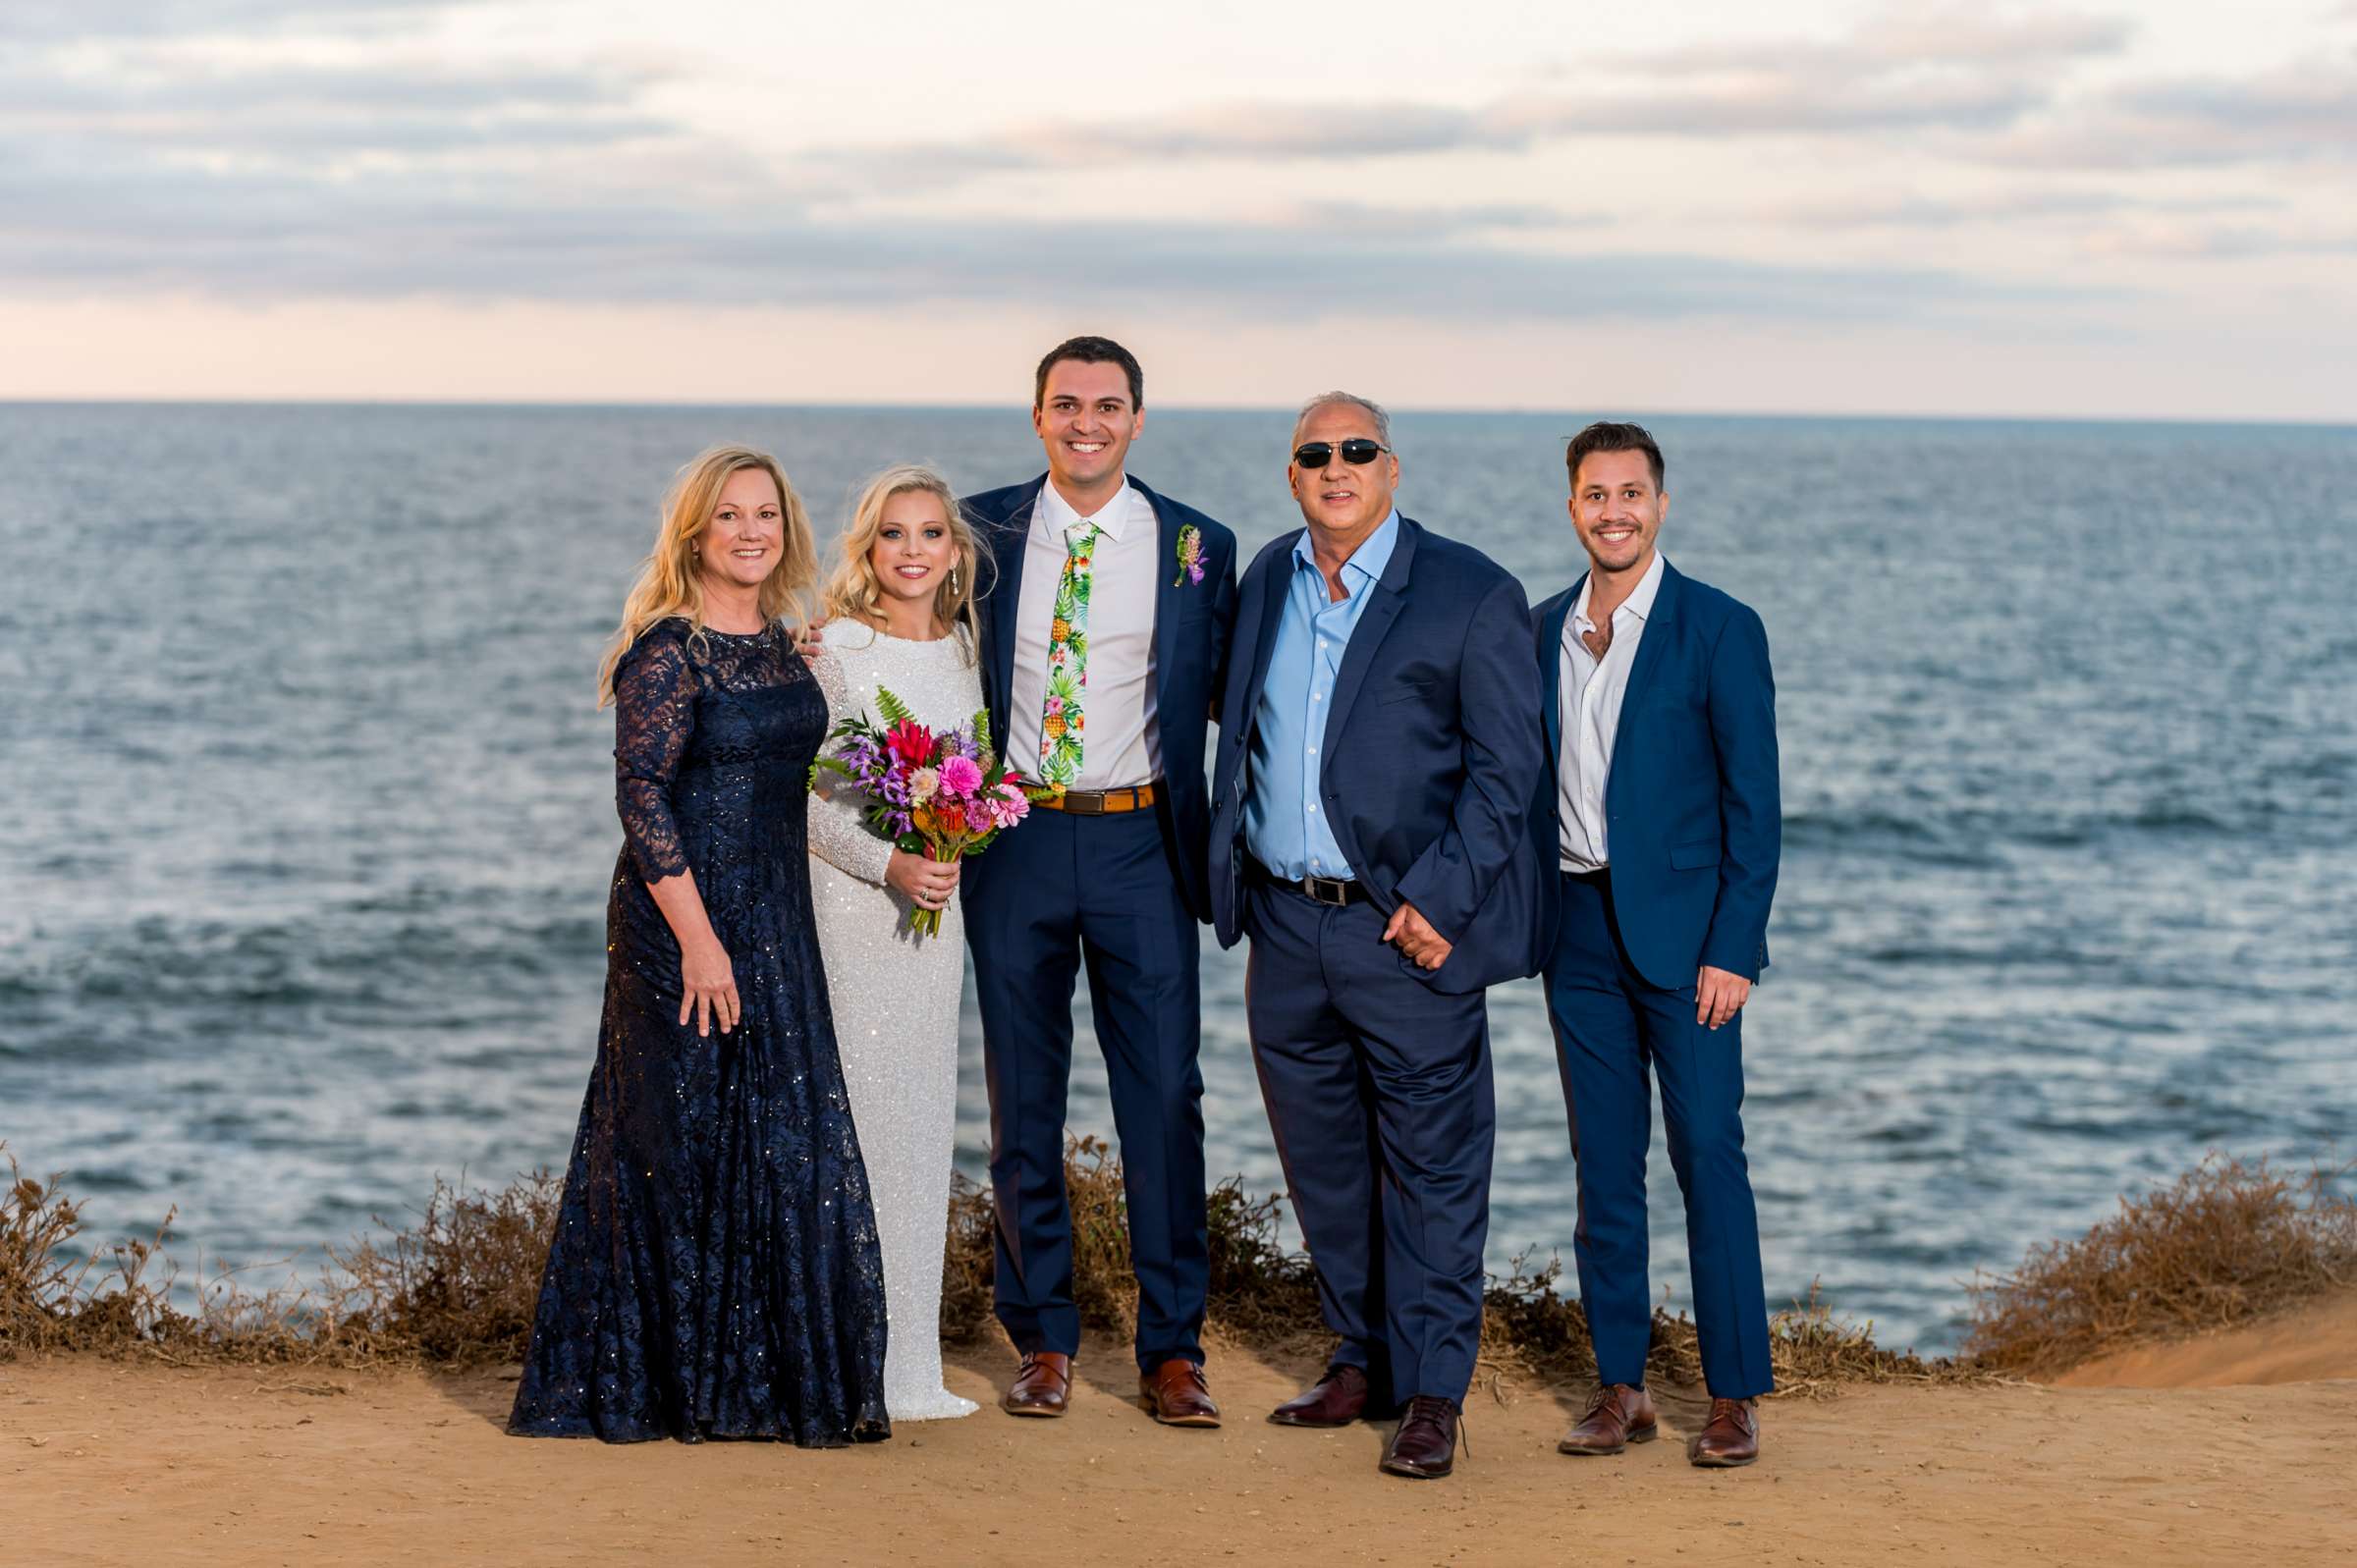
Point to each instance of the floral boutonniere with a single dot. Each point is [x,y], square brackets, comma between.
[1191,556]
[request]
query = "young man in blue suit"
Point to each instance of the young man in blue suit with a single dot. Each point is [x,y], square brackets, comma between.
[1661,807]
[1105,638]
[1379,751]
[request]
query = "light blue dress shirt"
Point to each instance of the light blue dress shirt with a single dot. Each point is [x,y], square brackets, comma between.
[1285,820]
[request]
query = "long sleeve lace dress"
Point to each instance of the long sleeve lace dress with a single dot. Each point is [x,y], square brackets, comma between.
[715,1272]
[895,1002]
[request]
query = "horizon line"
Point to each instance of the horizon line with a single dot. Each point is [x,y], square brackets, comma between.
[1875,416]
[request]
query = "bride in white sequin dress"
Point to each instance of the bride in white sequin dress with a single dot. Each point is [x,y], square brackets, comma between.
[899,617]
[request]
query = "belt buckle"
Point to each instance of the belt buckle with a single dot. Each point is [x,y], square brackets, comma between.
[1084,802]
[1330,890]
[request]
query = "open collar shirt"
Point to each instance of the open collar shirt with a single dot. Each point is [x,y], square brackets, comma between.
[1284,823]
[1592,694]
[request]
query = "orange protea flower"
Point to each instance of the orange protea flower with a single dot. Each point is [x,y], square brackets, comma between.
[922,819]
[1052,726]
[1060,630]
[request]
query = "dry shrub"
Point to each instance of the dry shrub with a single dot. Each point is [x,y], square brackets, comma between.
[1528,1325]
[1265,1297]
[51,1300]
[1103,1287]
[458,1288]
[2227,1242]
[1260,1293]
[969,1260]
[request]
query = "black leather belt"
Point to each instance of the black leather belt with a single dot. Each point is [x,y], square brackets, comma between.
[1336,892]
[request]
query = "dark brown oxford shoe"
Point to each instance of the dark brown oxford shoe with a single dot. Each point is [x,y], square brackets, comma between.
[1424,1447]
[1730,1438]
[1043,1386]
[1334,1400]
[1176,1395]
[1617,1416]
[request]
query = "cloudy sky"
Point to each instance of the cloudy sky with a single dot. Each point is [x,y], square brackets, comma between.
[2119,209]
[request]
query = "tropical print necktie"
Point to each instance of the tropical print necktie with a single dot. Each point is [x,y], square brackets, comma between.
[1062,724]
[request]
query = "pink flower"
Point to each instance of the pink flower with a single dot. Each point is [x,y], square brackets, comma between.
[925,780]
[1055,705]
[960,777]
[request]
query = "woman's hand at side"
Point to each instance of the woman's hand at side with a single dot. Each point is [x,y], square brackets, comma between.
[708,987]
[928,884]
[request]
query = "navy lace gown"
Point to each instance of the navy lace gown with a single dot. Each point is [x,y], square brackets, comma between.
[715,1272]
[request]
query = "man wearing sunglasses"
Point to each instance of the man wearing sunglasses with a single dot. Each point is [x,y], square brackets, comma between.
[1661,811]
[1379,750]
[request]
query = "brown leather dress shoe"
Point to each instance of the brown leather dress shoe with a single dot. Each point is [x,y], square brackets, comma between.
[1176,1395]
[1618,1414]
[1424,1447]
[1730,1438]
[1337,1399]
[1043,1386]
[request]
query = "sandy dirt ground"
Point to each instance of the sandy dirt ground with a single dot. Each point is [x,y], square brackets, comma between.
[2315,1342]
[107,1463]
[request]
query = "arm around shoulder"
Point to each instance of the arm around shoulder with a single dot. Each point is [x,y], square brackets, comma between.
[1498,705]
[839,832]
[1742,714]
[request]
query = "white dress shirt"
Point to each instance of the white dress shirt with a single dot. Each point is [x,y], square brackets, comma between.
[1592,693]
[1123,747]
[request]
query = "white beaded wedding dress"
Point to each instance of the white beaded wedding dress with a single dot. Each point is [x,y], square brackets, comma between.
[894,998]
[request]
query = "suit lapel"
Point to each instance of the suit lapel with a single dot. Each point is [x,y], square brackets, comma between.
[1166,592]
[1275,588]
[1551,671]
[1008,535]
[1651,650]
[1389,597]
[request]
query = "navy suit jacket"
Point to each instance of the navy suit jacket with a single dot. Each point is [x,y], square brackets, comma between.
[1692,813]
[1191,624]
[1431,757]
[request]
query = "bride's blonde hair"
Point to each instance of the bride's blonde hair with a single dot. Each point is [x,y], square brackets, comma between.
[852,591]
[671,581]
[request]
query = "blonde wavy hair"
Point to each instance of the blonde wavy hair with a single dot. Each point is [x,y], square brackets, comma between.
[852,591]
[671,582]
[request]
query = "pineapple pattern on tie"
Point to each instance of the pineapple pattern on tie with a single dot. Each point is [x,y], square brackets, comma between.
[1061,725]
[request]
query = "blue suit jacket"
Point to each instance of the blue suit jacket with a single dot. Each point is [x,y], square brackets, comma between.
[1691,809]
[1431,757]
[1191,625]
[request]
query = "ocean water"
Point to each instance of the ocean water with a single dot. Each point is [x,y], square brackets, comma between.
[309,809]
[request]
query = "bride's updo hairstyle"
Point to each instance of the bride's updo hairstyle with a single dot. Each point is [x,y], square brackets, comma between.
[853,592]
[671,582]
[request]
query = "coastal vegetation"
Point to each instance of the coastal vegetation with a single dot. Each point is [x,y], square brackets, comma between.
[2227,1242]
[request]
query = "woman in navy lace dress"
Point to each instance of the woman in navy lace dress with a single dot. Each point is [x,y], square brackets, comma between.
[715,1272]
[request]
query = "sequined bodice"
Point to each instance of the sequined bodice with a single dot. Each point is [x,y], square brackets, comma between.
[714,737]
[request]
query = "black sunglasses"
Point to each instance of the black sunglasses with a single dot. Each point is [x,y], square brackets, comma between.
[1357,451]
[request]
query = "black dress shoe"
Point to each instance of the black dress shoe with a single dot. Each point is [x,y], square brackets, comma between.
[1335,1401]
[1424,1447]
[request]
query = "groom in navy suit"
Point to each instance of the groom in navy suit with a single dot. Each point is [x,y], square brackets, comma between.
[1379,751]
[1105,638]
[1661,809]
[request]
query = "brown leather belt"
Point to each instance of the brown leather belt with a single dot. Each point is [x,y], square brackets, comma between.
[1099,802]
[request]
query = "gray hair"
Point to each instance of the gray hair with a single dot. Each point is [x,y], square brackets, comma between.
[1328,399]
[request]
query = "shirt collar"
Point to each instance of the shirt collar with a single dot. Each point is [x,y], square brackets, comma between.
[1638,603]
[1366,563]
[1056,515]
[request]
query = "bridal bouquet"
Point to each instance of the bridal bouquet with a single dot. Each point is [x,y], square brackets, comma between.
[941,795]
